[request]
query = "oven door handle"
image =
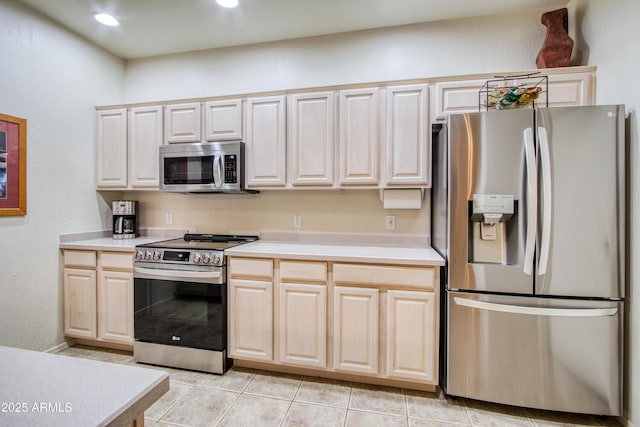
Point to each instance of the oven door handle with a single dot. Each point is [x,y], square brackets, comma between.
[175,274]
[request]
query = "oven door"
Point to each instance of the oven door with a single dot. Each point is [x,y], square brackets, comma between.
[180,307]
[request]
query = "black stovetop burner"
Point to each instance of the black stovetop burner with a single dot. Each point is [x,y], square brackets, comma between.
[201,242]
[222,238]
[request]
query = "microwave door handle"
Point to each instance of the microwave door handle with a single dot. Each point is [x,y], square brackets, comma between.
[545,162]
[217,170]
[532,200]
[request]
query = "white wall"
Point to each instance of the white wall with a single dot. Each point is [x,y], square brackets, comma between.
[53,79]
[607,35]
[486,44]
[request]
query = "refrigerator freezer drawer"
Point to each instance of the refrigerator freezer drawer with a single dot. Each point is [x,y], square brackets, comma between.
[554,354]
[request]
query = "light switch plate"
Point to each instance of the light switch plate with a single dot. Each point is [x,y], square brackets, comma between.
[297,221]
[391,222]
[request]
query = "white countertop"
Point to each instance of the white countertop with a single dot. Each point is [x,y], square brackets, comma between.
[110,244]
[43,389]
[103,241]
[369,253]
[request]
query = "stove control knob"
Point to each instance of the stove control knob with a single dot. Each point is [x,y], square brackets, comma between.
[148,254]
[216,259]
[206,258]
[157,255]
[139,254]
[197,257]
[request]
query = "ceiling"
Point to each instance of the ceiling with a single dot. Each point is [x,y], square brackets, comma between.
[158,27]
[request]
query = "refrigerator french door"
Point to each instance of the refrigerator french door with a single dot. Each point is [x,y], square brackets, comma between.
[529,207]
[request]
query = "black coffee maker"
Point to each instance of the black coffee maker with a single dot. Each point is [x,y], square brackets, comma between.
[125,224]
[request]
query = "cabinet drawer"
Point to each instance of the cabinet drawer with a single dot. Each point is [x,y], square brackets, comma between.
[306,271]
[250,267]
[79,258]
[418,277]
[117,260]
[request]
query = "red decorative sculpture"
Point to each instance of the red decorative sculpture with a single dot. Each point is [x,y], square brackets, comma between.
[557,46]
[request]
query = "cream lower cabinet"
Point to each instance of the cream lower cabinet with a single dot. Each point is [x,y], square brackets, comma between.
[355,332]
[335,319]
[302,314]
[250,309]
[412,335]
[98,296]
[386,321]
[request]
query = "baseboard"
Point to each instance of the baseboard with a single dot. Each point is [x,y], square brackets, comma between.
[58,348]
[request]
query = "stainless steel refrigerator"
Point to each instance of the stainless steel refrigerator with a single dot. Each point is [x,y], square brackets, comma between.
[528,210]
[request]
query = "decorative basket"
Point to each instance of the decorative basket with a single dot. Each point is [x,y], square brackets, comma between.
[509,92]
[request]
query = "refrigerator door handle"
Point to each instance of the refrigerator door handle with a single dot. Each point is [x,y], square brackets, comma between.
[532,200]
[546,202]
[536,311]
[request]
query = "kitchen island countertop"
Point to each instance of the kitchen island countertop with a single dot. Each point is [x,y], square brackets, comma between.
[44,389]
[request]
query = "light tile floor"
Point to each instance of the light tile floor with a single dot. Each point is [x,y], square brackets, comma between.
[244,397]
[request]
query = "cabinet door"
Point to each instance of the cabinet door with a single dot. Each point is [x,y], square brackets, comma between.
[412,349]
[223,120]
[456,97]
[569,90]
[355,330]
[265,140]
[80,317]
[302,322]
[311,138]
[183,123]
[112,149]
[359,137]
[145,136]
[251,319]
[115,306]
[408,133]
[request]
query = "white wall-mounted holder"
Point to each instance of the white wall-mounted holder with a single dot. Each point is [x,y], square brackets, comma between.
[405,198]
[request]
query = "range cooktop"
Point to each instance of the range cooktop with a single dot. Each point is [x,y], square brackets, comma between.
[198,249]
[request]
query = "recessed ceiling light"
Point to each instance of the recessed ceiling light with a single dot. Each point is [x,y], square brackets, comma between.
[106,19]
[227,3]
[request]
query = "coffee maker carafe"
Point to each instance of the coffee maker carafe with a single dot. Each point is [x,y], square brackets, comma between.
[124,219]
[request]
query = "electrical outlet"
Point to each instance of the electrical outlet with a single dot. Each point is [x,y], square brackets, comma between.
[297,221]
[169,219]
[391,222]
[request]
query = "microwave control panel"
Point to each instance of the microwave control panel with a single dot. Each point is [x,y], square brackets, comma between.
[230,169]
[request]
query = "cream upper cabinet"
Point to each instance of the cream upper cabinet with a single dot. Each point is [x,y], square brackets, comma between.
[183,123]
[223,120]
[407,136]
[359,137]
[144,137]
[565,89]
[266,139]
[412,347]
[570,90]
[456,97]
[251,309]
[111,165]
[311,139]
[355,330]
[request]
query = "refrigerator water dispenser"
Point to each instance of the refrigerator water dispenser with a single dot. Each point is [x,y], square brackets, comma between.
[488,215]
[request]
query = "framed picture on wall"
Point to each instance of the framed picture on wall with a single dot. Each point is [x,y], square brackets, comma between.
[13,165]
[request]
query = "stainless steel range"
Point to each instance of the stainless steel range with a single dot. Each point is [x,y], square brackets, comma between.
[180,302]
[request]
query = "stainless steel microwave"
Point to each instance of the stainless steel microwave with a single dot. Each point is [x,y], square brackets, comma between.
[215,167]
